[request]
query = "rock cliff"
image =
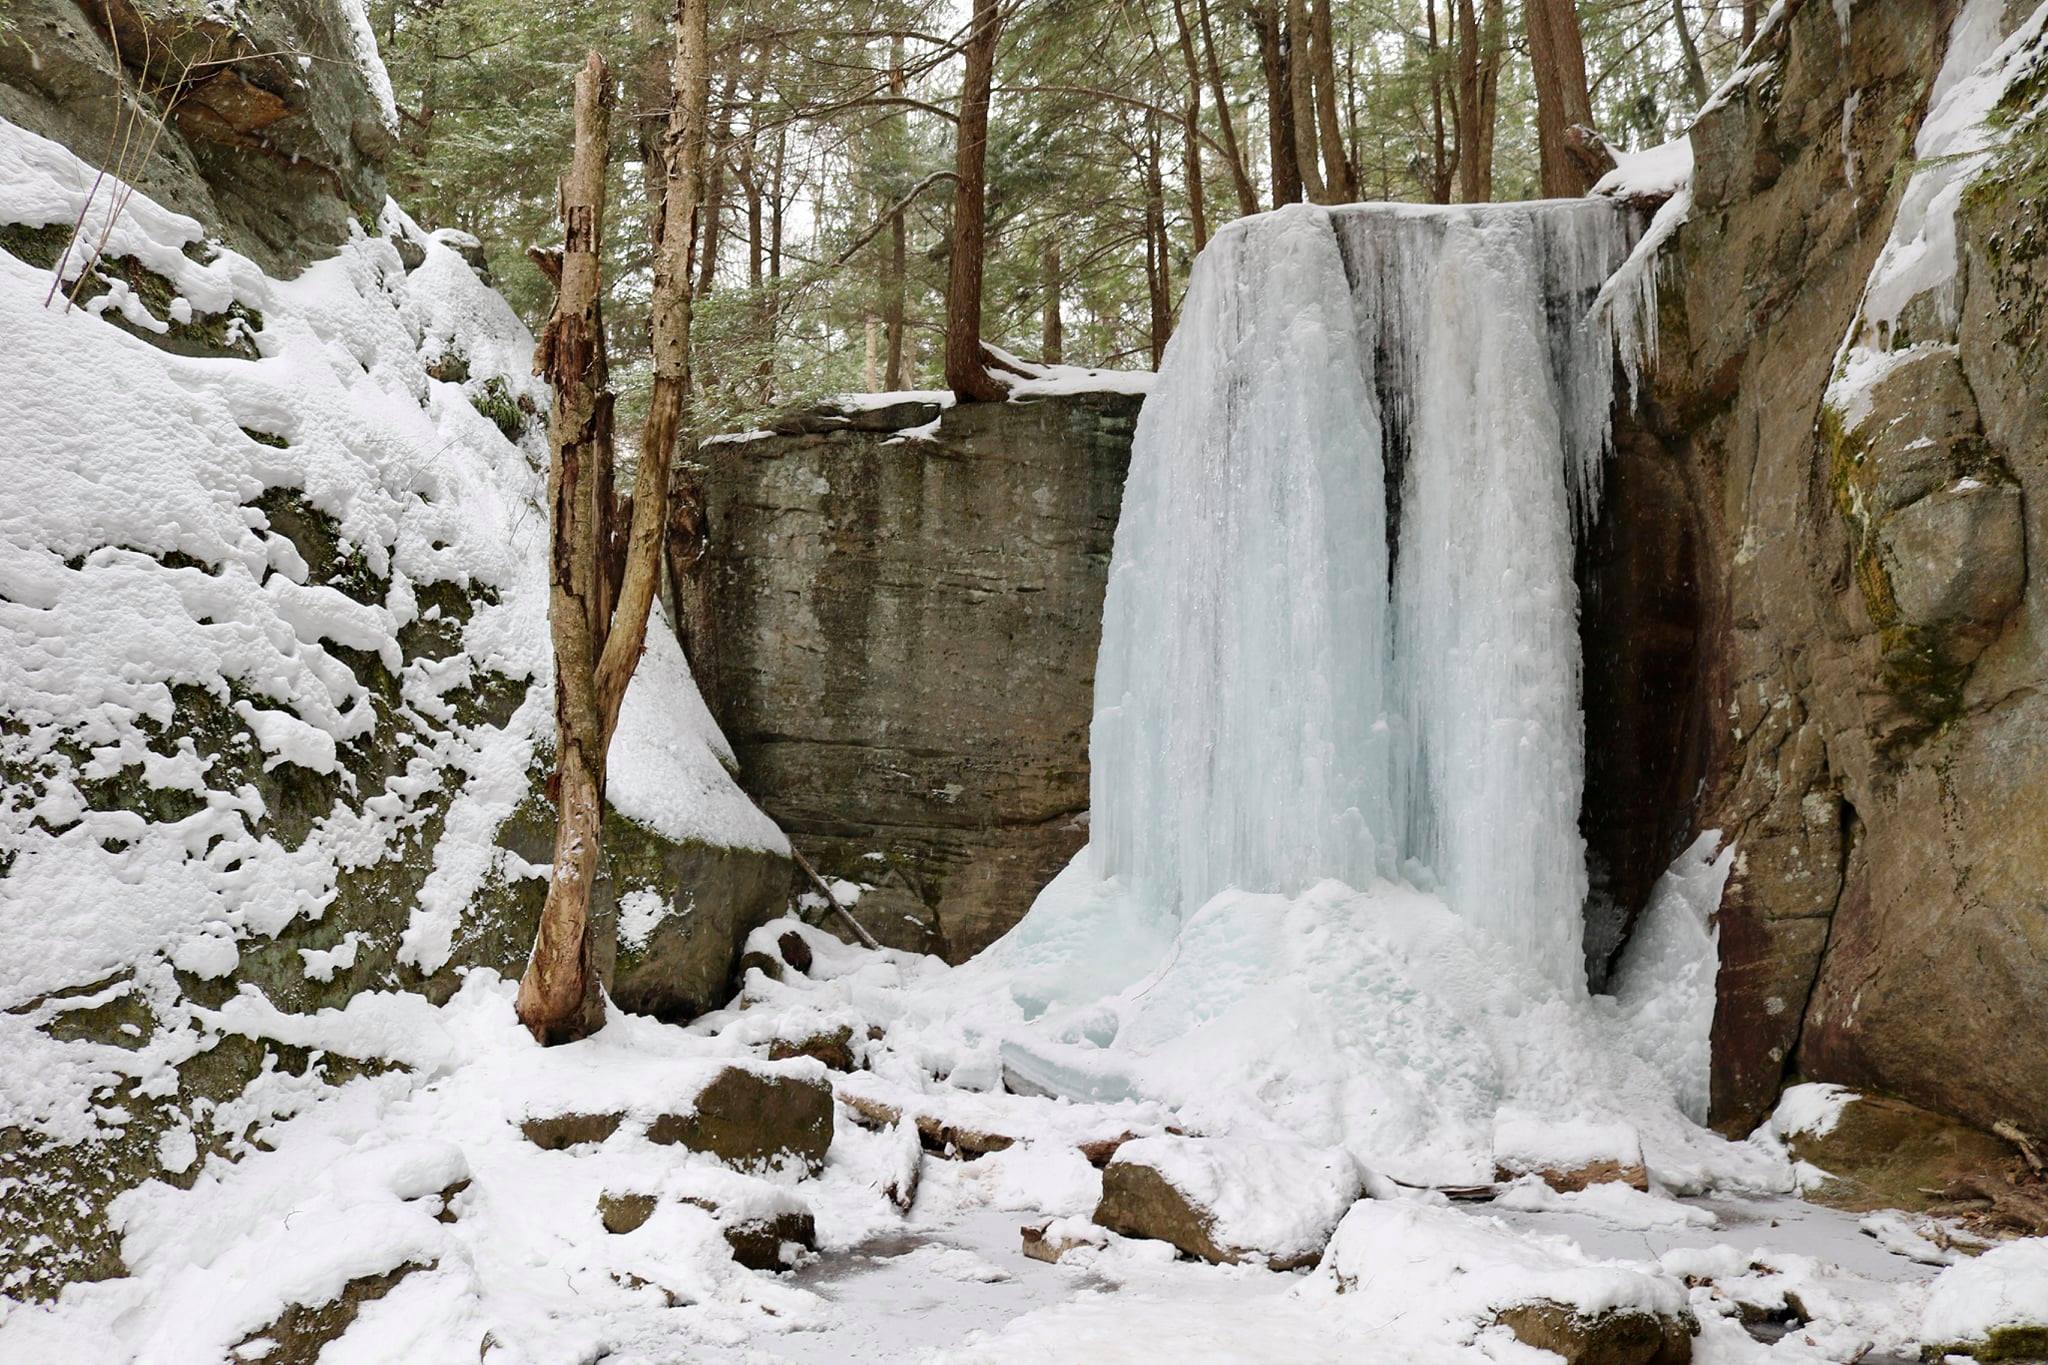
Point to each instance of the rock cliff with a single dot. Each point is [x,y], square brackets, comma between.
[279,114]
[907,634]
[1855,595]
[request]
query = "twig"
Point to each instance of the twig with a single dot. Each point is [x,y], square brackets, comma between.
[2018,1137]
[867,940]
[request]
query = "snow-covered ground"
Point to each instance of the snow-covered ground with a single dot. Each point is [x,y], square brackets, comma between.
[428,1168]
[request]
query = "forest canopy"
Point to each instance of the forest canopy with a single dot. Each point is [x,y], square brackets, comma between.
[1121,134]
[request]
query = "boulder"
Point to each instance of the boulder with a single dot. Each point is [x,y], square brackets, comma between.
[1051,1240]
[758,1236]
[940,1136]
[1568,1155]
[833,1049]
[623,1213]
[1230,1200]
[753,1115]
[557,1132]
[1993,1307]
[765,1243]
[1606,1337]
[1883,1153]
[1547,1291]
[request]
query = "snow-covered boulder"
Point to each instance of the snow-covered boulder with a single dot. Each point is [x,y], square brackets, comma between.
[1438,1264]
[1994,1307]
[1230,1199]
[1567,1155]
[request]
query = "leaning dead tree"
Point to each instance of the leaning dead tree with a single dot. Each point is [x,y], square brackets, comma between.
[599,600]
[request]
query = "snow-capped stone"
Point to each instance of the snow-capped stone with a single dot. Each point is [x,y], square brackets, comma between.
[1230,1199]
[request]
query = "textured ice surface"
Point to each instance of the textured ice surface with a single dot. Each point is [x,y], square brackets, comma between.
[1341,637]
[1239,735]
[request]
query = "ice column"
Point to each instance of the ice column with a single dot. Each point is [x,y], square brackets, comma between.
[1238,737]
[1341,634]
[1496,396]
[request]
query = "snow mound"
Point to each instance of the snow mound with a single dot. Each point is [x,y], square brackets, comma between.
[2005,1288]
[1441,1265]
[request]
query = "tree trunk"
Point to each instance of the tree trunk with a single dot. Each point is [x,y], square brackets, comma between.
[1279,104]
[1441,167]
[1248,197]
[1749,9]
[559,996]
[1695,74]
[1052,346]
[1480,48]
[966,374]
[892,279]
[1339,177]
[1240,177]
[1158,257]
[1301,94]
[598,639]
[716,152]
[1190,127]
[1557,57]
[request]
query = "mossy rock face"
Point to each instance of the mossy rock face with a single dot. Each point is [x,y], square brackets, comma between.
[1884,1153]
[2029,1343]
[228,333]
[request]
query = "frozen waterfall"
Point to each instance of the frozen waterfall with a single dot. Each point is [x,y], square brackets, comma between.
[1341,636]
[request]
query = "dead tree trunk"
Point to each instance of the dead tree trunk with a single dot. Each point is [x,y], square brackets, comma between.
[600,630]
[966,373]
[560,997]
[1557,57]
